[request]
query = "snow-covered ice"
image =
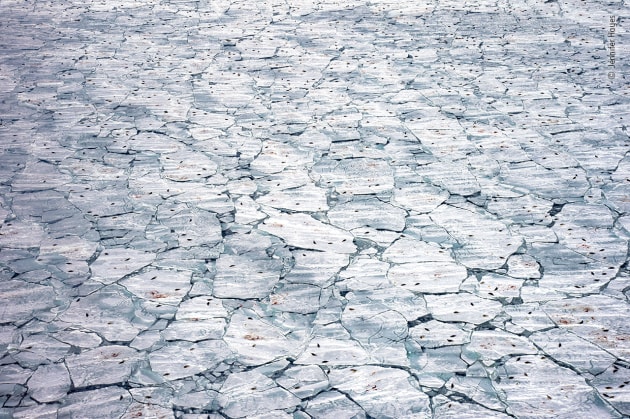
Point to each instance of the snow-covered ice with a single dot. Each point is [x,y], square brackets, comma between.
[314,209]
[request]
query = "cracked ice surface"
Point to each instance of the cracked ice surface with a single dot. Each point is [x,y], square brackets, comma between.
[314,209]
